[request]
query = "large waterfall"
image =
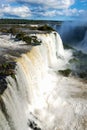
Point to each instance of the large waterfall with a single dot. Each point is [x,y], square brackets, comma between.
[39,98]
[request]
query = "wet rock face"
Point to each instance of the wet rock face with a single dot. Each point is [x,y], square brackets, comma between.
[33,125]
[6,69]
[3,84]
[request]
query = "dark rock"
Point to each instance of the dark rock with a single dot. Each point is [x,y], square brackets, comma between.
[3,84]
[65,72]
[33,125]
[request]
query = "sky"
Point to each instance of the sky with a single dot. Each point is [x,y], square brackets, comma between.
[44,9]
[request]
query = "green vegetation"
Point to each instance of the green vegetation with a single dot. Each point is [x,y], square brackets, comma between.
[25,21]
[74,60]
[83,75]
[27,39]
[35,41]
[66,72]
[13,30]
[7,68]
[78,64]
[21,32]
[9,30]
[4,30]
[45,28]
[66,46]
[20,36]
[30,40]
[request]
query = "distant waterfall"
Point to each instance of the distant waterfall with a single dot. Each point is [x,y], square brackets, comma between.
[39,95]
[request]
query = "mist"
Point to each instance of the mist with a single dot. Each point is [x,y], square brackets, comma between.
[74,34]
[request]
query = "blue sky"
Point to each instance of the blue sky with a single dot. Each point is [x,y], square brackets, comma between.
[44,9]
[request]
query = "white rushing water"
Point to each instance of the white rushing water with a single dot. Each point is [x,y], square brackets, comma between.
[40,94]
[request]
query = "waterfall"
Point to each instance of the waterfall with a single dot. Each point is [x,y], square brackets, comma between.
[83,44]
[57,57]
[38,97]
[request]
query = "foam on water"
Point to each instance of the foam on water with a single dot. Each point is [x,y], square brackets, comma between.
[39,93]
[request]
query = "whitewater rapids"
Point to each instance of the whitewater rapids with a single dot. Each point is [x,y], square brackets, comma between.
[40,94]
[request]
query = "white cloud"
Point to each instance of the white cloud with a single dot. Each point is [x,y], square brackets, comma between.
[73,12]
[41,8]
[59,4]
[49,13]
[65,12]
[52,13]
[70,12]
[22,12]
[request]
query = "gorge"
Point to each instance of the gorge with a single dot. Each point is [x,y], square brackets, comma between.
[37,96]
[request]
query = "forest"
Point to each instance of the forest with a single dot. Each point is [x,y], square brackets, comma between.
[26,21]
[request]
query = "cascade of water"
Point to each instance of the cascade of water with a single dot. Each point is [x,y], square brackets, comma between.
[38,94]
[49,42]
[57,57]
[59,45]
